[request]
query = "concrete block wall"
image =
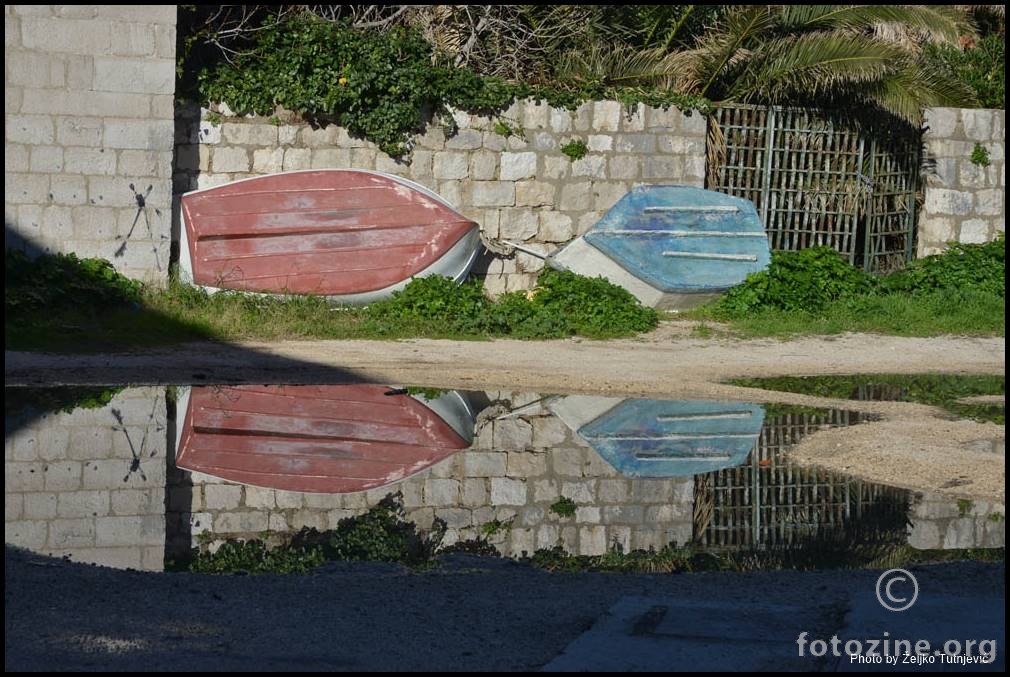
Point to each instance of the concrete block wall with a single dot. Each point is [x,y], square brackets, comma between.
[516,469]
[518,186]
[964,201]
[88,110]
[940,523]
[71,486]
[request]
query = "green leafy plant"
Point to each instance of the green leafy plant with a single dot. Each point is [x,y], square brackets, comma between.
[495,527]
[506,128]
[53,282]
[575,149]
[964,506]
[976,267]
[563,507]
[796,280]
[980,156]
[982,67]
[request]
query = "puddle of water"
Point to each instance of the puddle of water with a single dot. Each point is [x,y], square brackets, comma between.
[138,477]
[948,391]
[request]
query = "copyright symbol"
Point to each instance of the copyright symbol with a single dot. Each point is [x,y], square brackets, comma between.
[893,586]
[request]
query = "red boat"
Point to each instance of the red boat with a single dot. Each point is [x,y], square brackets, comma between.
[352,235]
[326,439]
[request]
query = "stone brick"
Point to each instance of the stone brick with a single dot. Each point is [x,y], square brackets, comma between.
[89,443]
[268,161]
[580,492]
[988,202]
[568,462]
[40,505]
[450,165]
[222,496]
[635,143]
[624,167]
[587,515]
[522,541]
[91,104]
[556,167]
[475,492]
[606,116]
[441,492]
[526,464]
[650,491]
[13,507]
[561,120]
[546,490]
[613,490]
[313,519]
[575,195]
[484,464]
[314,501]
[606,194]
[464,139]
[138,501]
[67,533]
[555,227]
[134,39]
[79,36]
[544,142]
[208,132]
[535,194]
[15,158]
[625,514]
[231,160]
[455,518]
[633,119]
[32,69]
[62,476]
[592,166]
[22,445]
[249,134]
[599,143]
[663,168]
[944,201]
[149,135]
[974,231]
[547,536]
[592,540]
[244,522]
[515,166]
[527,263]
[694,171]
[32,535]
[136,163]
[518,224]
[507,491]
[512,434]
[297,158]
[33,130]
[483,166]
[977,124]
[89,161]
[83,503]
[153,14]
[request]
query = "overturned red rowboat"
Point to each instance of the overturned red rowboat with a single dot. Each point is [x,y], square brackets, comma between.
[354,236]
[325,439]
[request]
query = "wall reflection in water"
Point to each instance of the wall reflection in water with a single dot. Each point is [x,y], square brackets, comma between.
[143,474]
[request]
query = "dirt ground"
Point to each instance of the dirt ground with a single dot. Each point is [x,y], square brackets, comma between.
[914,446]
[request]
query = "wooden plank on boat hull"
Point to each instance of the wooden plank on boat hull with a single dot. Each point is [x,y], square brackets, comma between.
[312,438]
[323,232]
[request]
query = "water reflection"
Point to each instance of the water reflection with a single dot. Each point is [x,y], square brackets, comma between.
[144,475]
[323,439]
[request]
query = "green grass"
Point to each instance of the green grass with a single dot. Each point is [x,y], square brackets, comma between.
[935,313]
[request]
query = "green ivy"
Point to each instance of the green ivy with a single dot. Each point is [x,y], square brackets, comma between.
[982,67]
[382,86]
[575,149]
[563,507]
[980,156]
[563,304]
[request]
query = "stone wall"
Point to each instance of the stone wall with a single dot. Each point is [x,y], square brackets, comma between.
[507,173]
[964,201]
[516,469]
[939,523]
[88,109]
[72,485]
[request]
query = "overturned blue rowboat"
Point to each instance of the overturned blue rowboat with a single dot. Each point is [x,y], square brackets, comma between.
[672,247]
[664,438]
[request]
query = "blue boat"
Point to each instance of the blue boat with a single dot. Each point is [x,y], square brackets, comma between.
[665,438]
[673,247]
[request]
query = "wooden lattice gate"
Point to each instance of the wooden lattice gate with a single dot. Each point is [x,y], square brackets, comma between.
[817,181]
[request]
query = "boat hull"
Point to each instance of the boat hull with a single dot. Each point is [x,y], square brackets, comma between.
[352,236]
[672,246]
[665,438]
[320,439]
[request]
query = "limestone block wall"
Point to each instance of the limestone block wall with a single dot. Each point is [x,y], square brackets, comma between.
[88,110]
[507,173]
[516,469]
[91,484]
[964,201]
[939,523]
